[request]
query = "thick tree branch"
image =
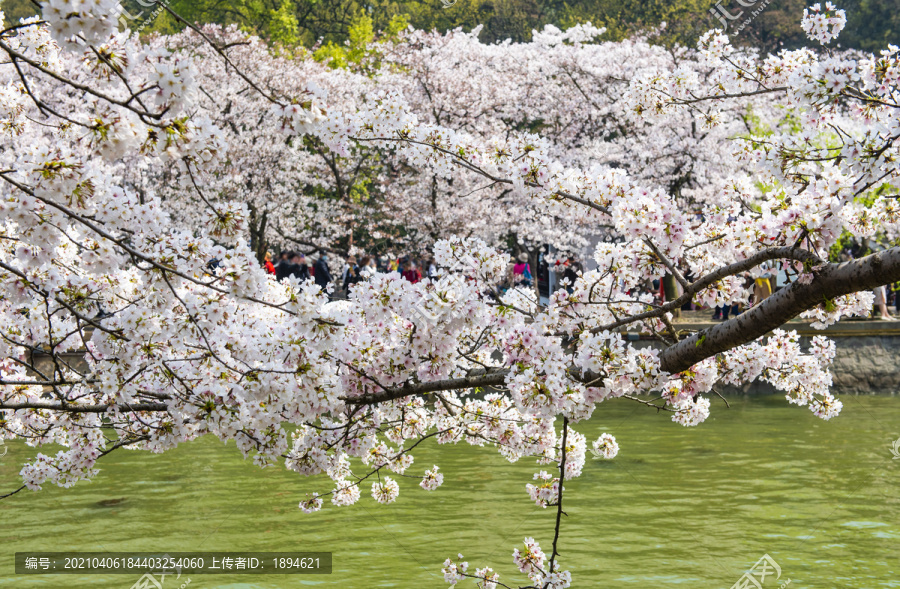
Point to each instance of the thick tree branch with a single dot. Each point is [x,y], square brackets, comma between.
[776,253]
[833,281]
[492,379]
[70,408]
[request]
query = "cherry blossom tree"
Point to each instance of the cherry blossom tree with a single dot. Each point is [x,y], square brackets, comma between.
[577,105]
[119,332]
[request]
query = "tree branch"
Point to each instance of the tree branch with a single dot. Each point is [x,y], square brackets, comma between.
[492,379]
[69,408]
[833,281]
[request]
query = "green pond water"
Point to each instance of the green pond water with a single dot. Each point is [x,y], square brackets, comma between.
[679,507]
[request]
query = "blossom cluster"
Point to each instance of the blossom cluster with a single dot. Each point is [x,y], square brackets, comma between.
[823,25]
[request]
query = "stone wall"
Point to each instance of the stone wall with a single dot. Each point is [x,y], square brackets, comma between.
[867,364]
[867,356]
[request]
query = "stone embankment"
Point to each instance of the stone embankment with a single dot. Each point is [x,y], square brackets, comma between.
[867,360]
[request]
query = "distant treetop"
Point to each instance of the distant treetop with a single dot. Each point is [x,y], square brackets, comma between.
[872,24]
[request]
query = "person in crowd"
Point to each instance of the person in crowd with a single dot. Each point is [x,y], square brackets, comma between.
[432,269]
[284,266]
[321,272]
[722,311]
[543,276]
[651,287]
[690,306]
[573,269]
[762,288]
[268,265]
[282,259]
[348,264]
[299,267]
[352,275]
[522,271]
[881,304]
[410,272]
[367,267]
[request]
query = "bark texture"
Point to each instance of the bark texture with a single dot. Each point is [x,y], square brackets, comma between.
[832,281]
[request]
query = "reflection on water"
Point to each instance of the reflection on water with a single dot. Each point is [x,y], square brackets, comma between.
[679,507]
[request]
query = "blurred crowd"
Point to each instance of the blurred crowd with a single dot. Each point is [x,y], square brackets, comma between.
[338,274]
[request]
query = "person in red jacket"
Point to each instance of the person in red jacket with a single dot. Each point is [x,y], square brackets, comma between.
[411,273]
[270,267]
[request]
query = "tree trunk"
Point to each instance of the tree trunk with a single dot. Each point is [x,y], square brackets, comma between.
[533,257]
[258,242]
[671,289]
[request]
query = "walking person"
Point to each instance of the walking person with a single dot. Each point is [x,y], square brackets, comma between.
[285,265]
[321,272]
[762,287]
[522,271]
[350,263]
[881,304]
[367,267]
[282,259]
[299,268]
[383,264]
[351,276]
[411,273]
[571,274]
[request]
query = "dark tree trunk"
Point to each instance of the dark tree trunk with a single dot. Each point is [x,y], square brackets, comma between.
[671,289]
[258,242]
